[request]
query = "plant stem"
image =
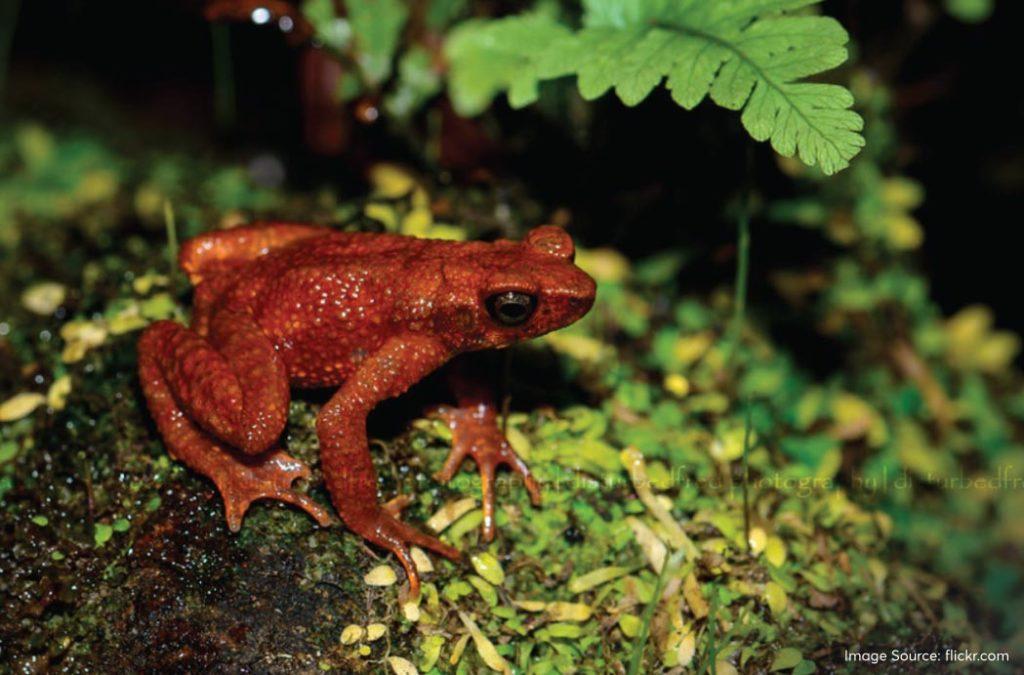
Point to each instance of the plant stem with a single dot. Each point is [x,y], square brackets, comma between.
[746,475]
[223,76]
[711,664]
[172,241]
[742,275]
[636,658]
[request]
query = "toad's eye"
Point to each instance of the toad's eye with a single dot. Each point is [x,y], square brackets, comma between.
[511,308]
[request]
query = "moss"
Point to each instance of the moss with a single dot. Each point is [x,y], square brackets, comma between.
[114,557]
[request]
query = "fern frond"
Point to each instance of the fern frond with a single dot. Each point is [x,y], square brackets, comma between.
[489,57]
[747,55]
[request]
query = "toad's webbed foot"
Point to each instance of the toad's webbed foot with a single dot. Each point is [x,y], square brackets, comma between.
[246,479]
[383,528]
[476,434]
[169,374]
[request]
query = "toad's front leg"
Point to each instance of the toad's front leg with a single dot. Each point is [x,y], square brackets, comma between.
[348,469]
[476,433]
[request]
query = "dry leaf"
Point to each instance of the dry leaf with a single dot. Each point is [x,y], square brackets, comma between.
[449,513]
[402,666]
[44,298]
[57,394]
[20,405]
[595,578]
[687,649]
[654,549]
[694,597]
[422,561]
[484,647]
[381,575]
[460,647]
[352,634]
[569,611]
[633,460]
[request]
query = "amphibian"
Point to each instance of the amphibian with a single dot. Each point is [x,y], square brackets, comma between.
[284,305]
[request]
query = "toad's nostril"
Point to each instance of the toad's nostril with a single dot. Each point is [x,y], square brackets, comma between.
[580,305]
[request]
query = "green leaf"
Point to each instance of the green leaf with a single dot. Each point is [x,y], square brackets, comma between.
[786,658]
[746,55]
[369,33]
[776,598]
[417,82]
[376,26]
[805,667]
[488,57]
[101,535]
[334,32]
[440,13]
[971,11]
[8,451]
[808,450]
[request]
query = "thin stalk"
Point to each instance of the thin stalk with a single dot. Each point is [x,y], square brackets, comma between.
[172,241]
[223,76]
[739,319]
[746,476]
[741,283]
[637,657]
[742,278]
[710,666]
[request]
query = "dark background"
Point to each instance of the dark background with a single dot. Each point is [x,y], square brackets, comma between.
[652,176]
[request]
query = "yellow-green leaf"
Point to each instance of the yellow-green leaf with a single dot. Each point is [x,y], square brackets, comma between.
[381,575]
[484,647]
[775,551]
[20,405]
[776,598]
[595,578]
[402,666]
[786,659]
[487,566]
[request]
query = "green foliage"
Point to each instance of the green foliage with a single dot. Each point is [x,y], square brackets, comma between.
[417,83]
[368,34]
[655,364]
[488,57]
[50,180]
[376,26]
[752,56]
[971,11]
[947,369]
[367,38]
[747,55]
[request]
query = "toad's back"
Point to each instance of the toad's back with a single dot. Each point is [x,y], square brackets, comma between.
[326,299]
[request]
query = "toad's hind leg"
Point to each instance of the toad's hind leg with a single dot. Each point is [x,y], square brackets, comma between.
[240,479]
